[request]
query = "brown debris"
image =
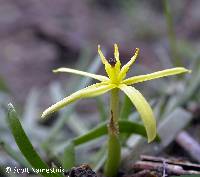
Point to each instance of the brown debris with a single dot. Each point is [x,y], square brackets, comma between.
[170,161]
[165,167]
[113,127]
[81,171]
[144,173]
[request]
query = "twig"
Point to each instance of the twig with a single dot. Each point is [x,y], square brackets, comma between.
[165,167]
[189,144]
[169,168]
[143,173]
[182,163]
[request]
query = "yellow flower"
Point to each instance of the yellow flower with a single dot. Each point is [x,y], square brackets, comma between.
[117,79]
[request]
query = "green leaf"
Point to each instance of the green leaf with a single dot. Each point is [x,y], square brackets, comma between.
[25,145]
[96,132]
[189,92]
[14,154]
[31,109]
[125,126]
[101,109]
[78,129]
[100,160]
[97,159]
[68,159]
[126,110]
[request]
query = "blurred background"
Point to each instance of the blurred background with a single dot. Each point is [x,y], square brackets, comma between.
[38,36]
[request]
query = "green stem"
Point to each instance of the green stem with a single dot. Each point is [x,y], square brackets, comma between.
[171,34]
[114,147]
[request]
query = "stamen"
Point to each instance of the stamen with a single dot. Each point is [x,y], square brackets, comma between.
[112,61]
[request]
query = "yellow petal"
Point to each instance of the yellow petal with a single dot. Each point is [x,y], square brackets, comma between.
[103,59]
[143,108]
[116,54]
[126,67]
[90,91]
[94,76]
[108,67]
[155,75]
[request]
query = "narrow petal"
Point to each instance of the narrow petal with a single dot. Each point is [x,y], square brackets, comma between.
[143,108]
[155,75]
[126,67]
[103,59]
[94,76]
[90,91]
[108,67]
[116,54]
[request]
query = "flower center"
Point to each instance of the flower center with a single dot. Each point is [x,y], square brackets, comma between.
[112,61]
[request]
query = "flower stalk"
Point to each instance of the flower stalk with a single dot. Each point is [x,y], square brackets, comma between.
[114,147]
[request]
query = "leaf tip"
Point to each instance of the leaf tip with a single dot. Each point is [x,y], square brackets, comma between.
[43,115]
[189,71]
[150,140]
[152,137]
[10,107]
[55,70]
[186,70]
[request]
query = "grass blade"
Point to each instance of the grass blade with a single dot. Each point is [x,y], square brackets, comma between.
[101,109]
[14,154]
[24,144]
[126,108]
[31,109]
[171,34]
[125,126]
[96,132]
[68,159]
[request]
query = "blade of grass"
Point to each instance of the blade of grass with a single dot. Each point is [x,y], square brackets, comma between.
[24,144]
[171,33]
[126,108]
[100,159]
[31,109]
[125,126]
[57,94]
[101,109]
[100,163]
[14,154]
[82,63]
[68,159]
[192,87]
[78,129]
